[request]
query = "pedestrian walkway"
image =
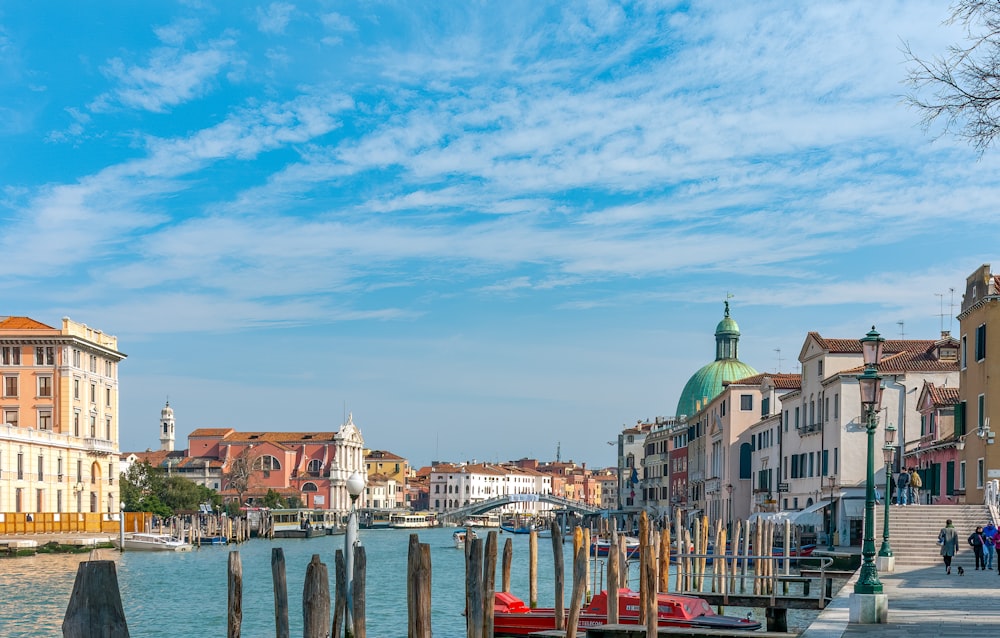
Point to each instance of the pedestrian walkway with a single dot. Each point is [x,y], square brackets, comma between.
[924,602]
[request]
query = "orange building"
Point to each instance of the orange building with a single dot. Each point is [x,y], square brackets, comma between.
[58,417]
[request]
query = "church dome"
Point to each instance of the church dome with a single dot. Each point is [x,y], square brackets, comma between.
[705,384]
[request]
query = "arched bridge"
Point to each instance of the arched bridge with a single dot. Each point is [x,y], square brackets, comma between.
[479,507]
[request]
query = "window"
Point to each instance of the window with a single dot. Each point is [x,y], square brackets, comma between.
[826,409]
[107,429]
[10,416]
[10,355]
[76,424]
[797,417]
[45,386]
[107,397]
[45,419]
[93,393]
[836,405]
[819,368]
[45,356]
[981,342]
[10,386]
[76,358]
[746,402]
[765,406]
[93,363]
[79,471]
[961,475]
[980,473]
[20,466]
[108,369]
[59,468]
[982,412]
[76,388]
[41,468]
[266,463]
[93,427]
[786,421]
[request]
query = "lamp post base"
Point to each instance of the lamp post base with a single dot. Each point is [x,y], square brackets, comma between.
[885,564]
[869,609]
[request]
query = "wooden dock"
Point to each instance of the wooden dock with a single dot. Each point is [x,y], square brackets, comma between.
[639,631]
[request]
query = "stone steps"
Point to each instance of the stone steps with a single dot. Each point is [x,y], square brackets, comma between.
[913,531]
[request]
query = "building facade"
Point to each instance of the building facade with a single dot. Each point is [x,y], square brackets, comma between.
[59,423]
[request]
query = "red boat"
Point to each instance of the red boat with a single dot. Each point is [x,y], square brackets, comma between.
[511,617]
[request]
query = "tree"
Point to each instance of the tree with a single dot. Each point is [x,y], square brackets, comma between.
[273,500]
[142,489]
[964,84]
[240,473]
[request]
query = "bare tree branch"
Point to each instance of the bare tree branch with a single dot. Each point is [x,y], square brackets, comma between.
[961,89]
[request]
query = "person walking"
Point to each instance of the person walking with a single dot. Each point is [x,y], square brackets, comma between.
[915,484]
[948,540]
[991,537]
[902,486]
[977,542]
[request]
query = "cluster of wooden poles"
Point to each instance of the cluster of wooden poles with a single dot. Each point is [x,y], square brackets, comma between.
[199,526]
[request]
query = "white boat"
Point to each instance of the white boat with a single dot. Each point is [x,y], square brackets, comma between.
[154,543]
[482,520]
[411,521]
[463,535]
[295,523]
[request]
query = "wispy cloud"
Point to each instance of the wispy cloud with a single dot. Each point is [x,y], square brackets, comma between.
[274,18]
[170,77]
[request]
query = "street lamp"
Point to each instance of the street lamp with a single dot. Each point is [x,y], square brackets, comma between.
[888,454]
[829,532]
[729,518]
[355,485]
[870,384]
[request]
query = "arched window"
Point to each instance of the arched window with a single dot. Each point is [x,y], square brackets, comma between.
[314,467]
[309,487]
[266,462]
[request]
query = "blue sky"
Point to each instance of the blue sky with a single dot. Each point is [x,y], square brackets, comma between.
[487,229]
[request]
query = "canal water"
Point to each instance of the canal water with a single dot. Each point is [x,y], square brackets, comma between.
[173,594]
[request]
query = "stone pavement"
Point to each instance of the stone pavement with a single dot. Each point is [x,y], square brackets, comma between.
[923,602]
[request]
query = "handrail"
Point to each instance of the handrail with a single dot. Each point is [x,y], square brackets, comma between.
[735,576]
[991,498]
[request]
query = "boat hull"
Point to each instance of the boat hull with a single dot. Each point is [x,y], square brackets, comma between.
[153,543]
[512,618]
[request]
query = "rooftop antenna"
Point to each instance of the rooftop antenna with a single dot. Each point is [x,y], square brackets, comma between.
[951,309]
[558,451]
[902,335]
[778,350]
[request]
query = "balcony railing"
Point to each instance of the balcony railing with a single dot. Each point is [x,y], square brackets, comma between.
[100,446]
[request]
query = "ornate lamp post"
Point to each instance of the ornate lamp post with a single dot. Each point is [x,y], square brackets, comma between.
[870,384]
[355,485]
[829,533]
[888,455]
[729,517]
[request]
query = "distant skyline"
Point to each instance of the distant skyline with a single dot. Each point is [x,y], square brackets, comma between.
[488,230]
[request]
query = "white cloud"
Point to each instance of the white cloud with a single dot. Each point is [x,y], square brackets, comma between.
[171,77]
[275,18]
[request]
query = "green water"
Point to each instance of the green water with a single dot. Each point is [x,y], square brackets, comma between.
[185,594]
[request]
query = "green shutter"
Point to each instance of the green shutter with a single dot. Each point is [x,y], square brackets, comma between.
[950,479]
[960,418]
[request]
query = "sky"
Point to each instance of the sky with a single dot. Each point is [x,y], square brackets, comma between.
[488,230]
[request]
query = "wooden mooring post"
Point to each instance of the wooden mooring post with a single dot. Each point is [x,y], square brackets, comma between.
[280,593]
[95,606]
[316,599]
[418,587]
[560,571]
[234,620]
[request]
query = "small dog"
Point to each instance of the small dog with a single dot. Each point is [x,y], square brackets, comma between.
[961,571]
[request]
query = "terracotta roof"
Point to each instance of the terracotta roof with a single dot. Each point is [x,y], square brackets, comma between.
[22,323]
[909,362]
[198,462]
[211,432]
[947,395]
[781,380]
[383,455]
[282,437]
[853,346]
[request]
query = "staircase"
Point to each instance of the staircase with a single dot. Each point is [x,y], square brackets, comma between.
[914,529]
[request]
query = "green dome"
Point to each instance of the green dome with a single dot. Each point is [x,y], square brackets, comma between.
[706,383]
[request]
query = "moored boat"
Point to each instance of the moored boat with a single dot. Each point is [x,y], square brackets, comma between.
[144,542]
[411,521]
[511,617]
[463,535]
[601,546]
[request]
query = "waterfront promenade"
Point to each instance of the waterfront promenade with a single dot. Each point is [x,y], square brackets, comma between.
[924,602]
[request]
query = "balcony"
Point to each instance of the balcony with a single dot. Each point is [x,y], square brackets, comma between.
[99,446]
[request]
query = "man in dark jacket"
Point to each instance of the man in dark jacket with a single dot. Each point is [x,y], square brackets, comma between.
[902,486]
[977,541]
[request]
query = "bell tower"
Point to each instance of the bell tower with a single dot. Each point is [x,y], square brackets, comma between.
[167,428]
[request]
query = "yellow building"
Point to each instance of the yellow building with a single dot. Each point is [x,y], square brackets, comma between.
[391,466]
[980,361]
[58,417]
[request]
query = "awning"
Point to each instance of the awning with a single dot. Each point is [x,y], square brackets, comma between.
[802,517]
[854,508]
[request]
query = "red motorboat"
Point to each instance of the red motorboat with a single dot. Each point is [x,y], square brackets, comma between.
[511,617]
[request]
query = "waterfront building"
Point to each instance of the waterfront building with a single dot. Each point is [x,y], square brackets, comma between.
[979,322]
[654,479]
[823,432]
[59,415]
[381,492]
[608,485]
[936,454]
[631,450]
[310,467]
[458,485]
[393,467]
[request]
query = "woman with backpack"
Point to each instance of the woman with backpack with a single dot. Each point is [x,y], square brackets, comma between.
[978,543]
[915,484]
